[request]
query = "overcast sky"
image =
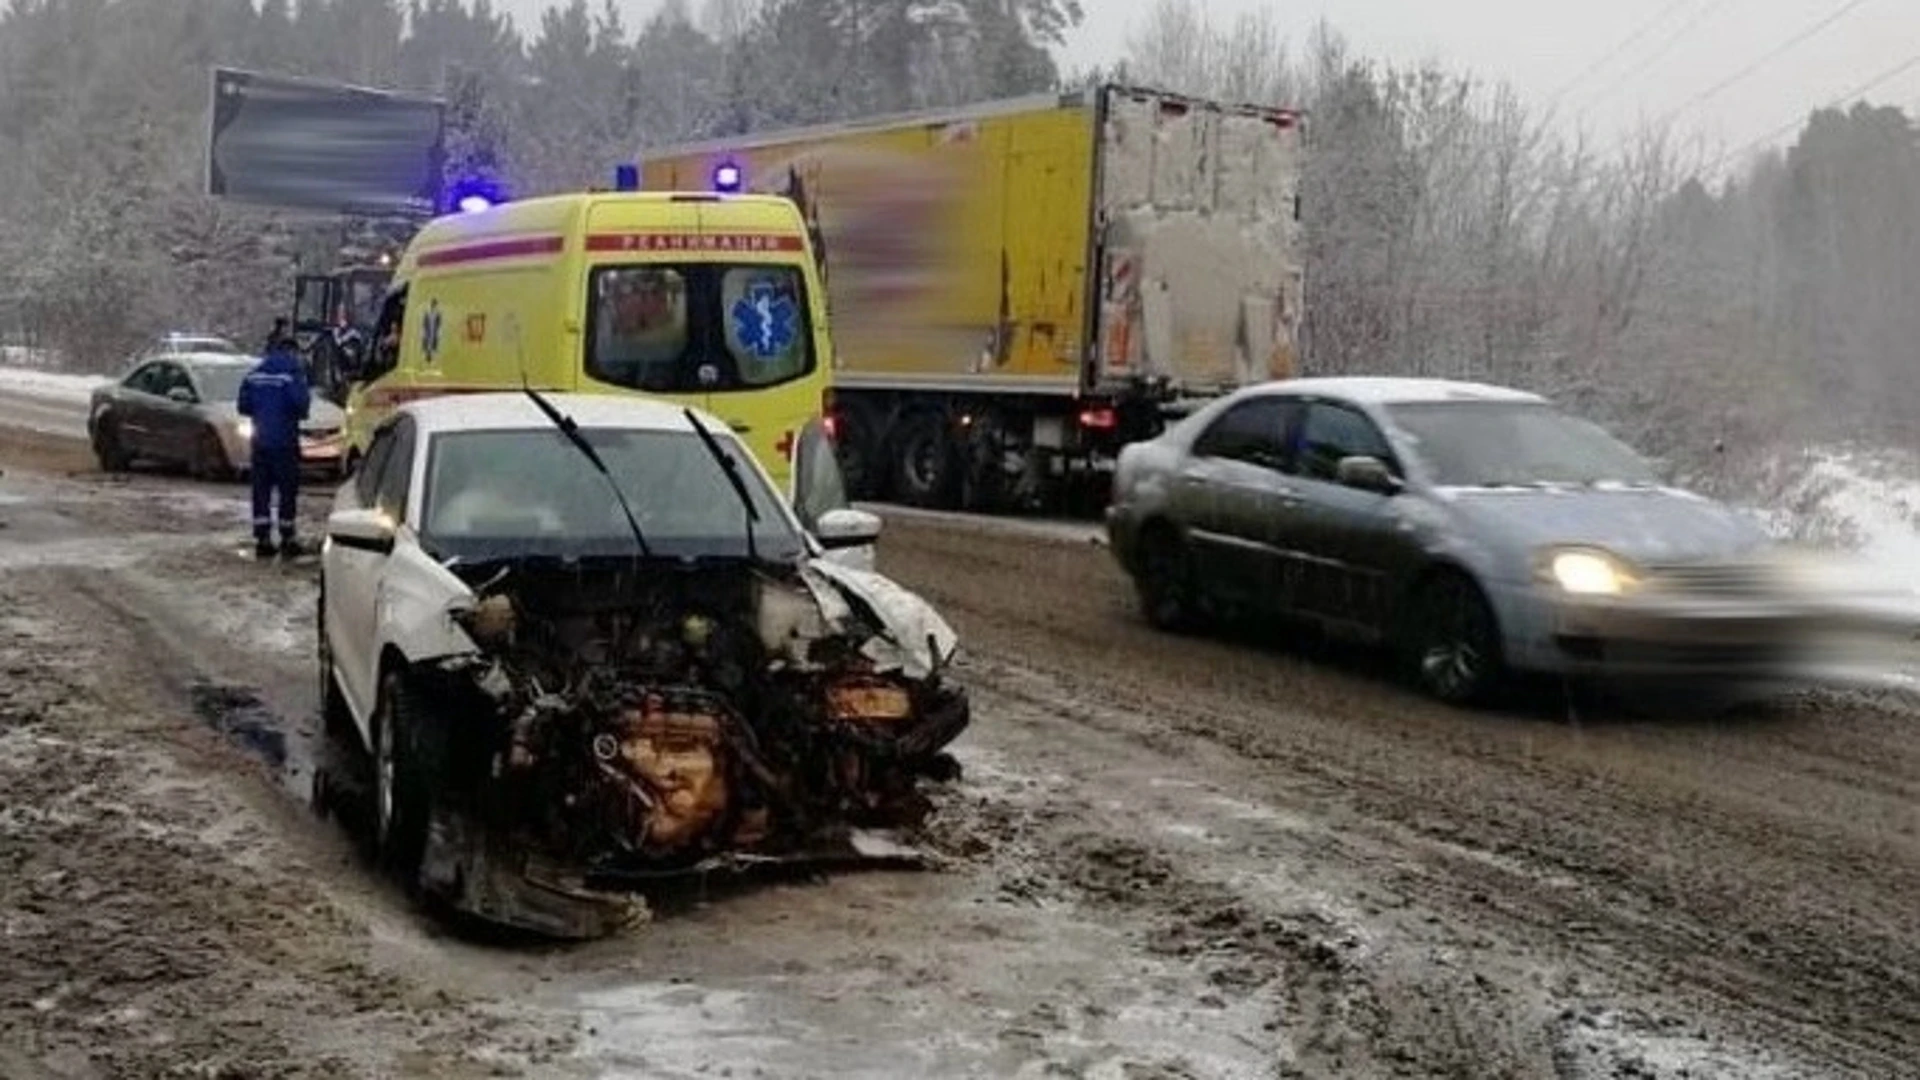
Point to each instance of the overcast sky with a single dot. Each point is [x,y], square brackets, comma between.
[1540,46]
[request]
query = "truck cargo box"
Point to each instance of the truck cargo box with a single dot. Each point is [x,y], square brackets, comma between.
[1111,242]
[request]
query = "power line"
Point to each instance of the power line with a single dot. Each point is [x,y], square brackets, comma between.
[1665,46]
[1624,44]
[1831,18]
[1851,95]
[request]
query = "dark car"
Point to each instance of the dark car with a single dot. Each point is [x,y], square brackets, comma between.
[1476,528]
[180,410]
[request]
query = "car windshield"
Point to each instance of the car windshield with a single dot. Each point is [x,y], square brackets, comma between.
[529,492]
[220,383]
[1506,444]
[698,327]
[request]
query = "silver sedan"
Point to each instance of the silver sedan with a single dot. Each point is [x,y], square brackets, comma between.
[1476,528]
[181,409]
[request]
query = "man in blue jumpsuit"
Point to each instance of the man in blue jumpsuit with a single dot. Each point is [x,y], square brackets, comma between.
[276,398]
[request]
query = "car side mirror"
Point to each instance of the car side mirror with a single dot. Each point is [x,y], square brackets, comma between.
[1367,474]
[368,529]
[845,527]
[181,394]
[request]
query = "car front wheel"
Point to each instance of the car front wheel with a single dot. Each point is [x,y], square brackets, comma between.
[1164,580]
[210,457]
[1453,645]
[107,447]
[400,792]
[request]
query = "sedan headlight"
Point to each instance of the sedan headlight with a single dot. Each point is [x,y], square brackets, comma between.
[1587,572]
[245,427]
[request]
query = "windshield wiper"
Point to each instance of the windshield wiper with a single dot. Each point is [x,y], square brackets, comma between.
[572,431]
[732,469]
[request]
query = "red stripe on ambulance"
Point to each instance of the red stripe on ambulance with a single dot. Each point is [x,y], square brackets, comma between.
[745,242]
[496,249]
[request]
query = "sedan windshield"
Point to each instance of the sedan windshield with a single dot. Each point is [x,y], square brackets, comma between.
[1507,444]
[529,492]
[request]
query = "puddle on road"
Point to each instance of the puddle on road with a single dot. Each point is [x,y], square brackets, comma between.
[286,745]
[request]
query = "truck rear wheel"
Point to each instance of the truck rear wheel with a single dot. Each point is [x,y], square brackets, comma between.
[862,456]
[926,464]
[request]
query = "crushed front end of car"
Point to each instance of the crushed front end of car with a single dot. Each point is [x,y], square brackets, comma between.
[621,721]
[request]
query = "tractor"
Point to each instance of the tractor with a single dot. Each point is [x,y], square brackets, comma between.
[333,317]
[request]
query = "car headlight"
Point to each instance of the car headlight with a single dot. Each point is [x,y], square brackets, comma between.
[1588,572]
[245,427]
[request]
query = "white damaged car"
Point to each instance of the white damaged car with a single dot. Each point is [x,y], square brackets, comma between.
[586,644]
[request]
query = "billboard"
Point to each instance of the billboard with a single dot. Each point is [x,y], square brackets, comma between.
[298,144]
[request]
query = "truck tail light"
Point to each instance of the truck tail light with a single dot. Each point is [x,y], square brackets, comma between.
[829,415]
[1099,418]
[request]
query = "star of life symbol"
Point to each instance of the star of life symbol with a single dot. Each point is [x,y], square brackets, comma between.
[430,331]
[765,320]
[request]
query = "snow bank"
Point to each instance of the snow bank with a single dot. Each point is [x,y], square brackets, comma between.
[1866,502]
[54,385]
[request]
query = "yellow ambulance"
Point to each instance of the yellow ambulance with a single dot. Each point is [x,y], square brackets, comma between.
[712,300]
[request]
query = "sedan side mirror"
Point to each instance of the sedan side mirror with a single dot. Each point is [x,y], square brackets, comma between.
[368,529]
[1367,474]
[181,394]
[847,528]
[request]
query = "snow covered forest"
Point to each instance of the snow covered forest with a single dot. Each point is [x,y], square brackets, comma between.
[1697,300]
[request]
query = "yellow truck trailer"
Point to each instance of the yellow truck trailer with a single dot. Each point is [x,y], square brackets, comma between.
[1020,288]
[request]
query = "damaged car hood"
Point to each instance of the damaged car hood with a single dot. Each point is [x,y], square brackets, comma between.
[917,642]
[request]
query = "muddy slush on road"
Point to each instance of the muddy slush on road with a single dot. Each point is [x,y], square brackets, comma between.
[1166,857]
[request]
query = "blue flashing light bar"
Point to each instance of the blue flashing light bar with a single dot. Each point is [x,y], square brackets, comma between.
[475,195]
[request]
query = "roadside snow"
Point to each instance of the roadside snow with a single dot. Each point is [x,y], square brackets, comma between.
[1866,502]
[58,386]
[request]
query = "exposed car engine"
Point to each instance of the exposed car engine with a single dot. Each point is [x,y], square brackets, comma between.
[633,719]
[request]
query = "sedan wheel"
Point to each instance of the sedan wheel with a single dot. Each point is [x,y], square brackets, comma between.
[1165,580]
[400,804]
[210,457]
[106,447]
[1454,646]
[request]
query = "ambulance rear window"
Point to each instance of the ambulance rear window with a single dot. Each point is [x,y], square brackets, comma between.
[698,327]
